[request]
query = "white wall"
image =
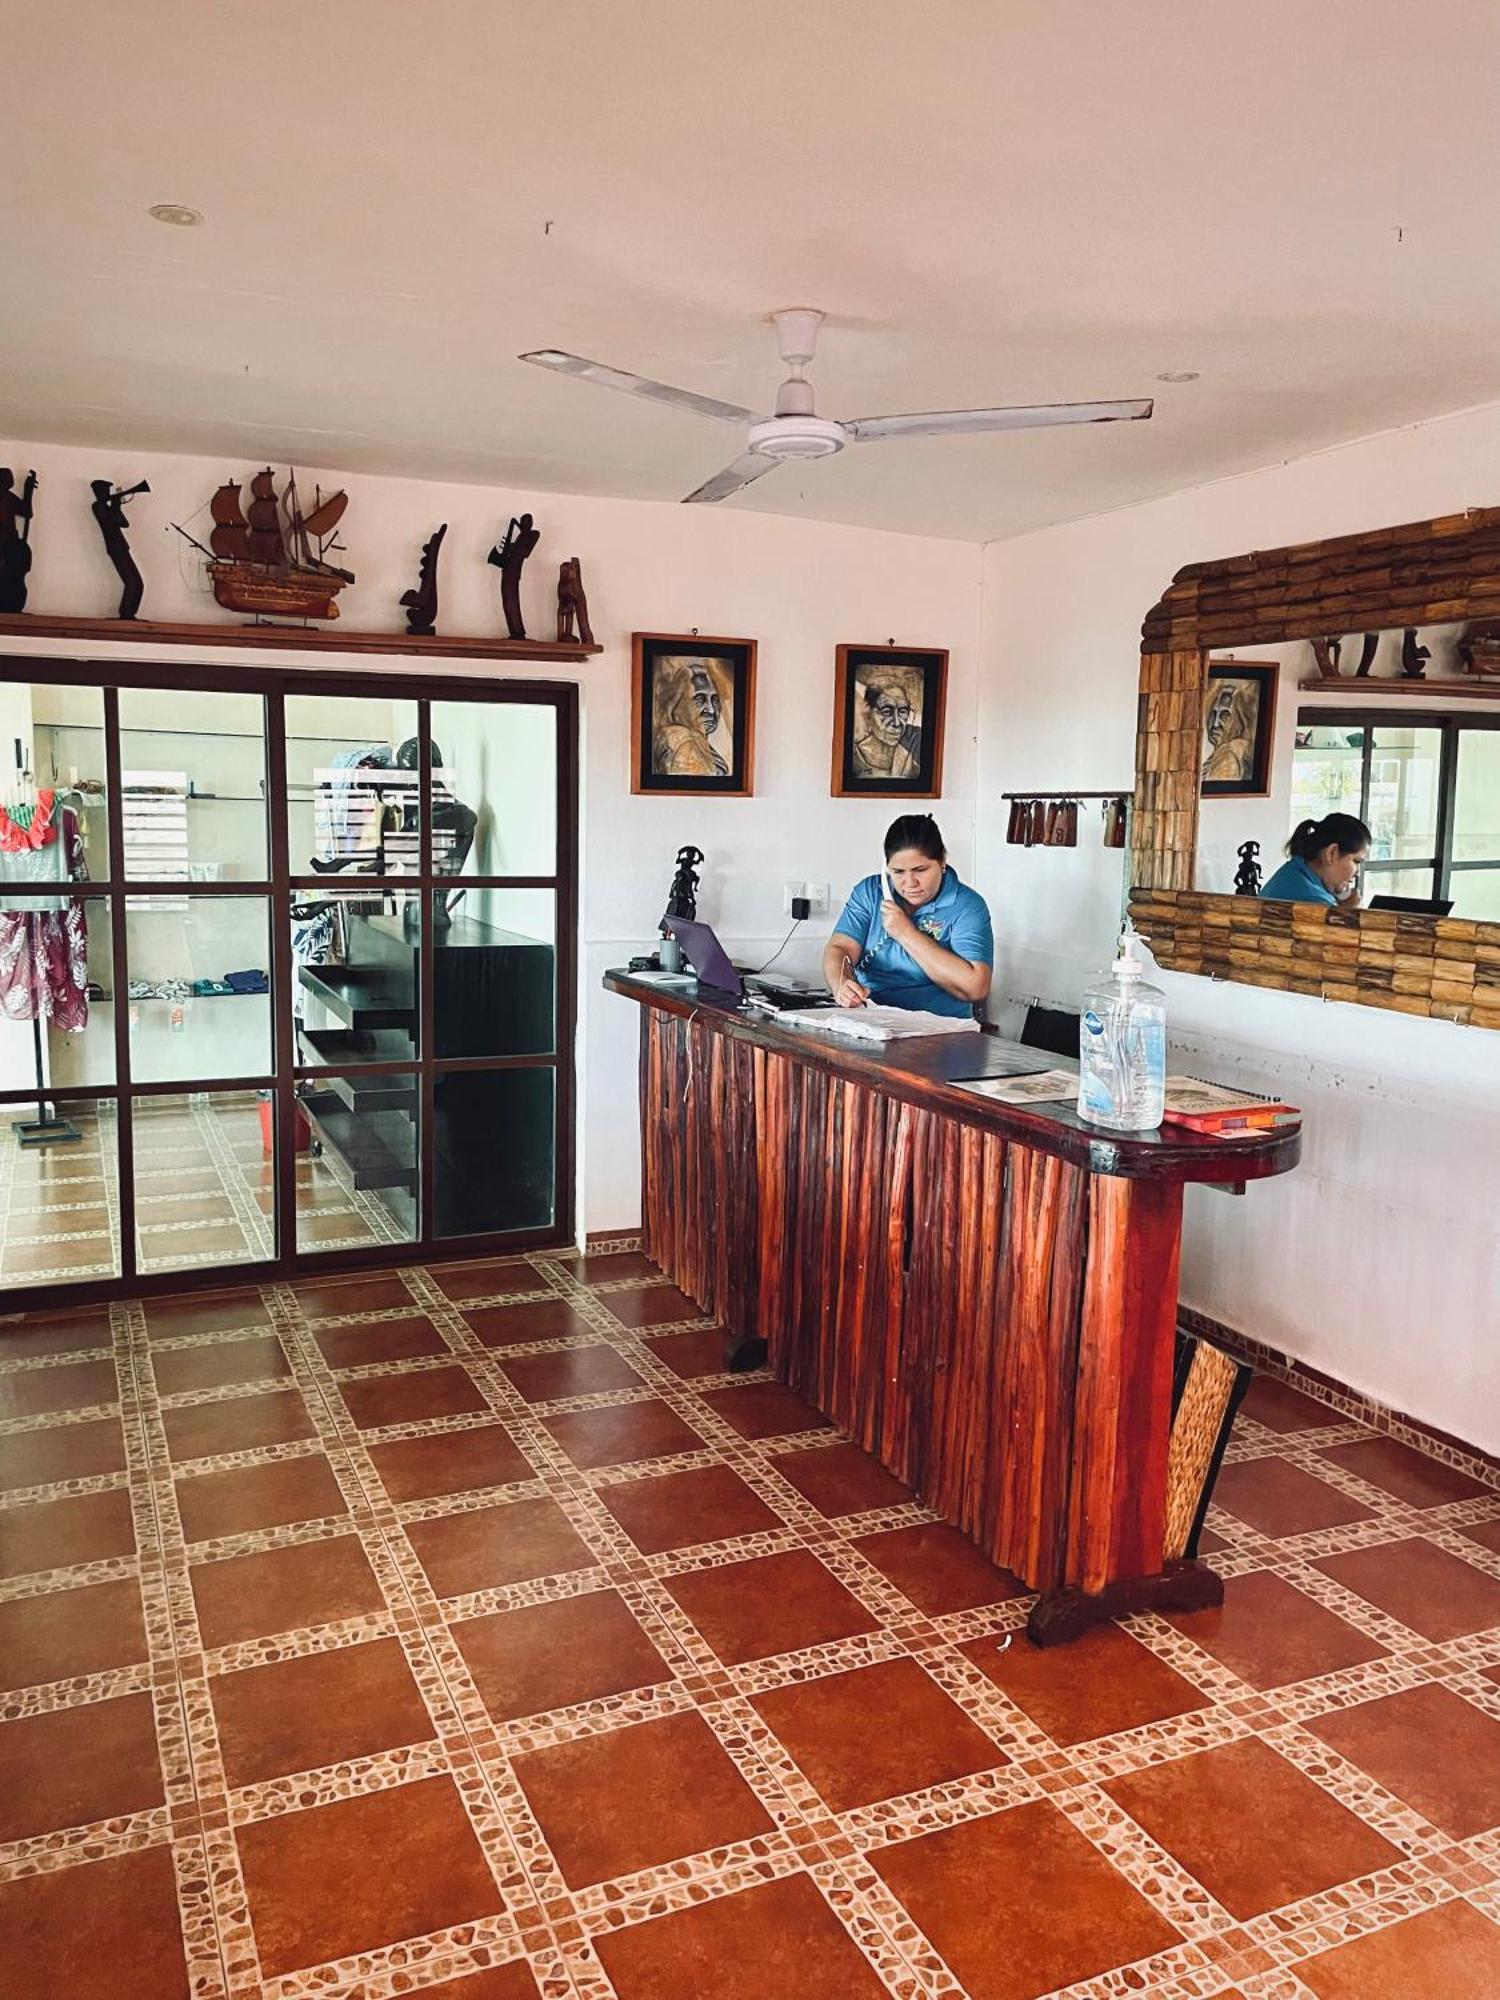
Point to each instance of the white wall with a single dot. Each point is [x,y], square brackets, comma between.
[799,587]
[1378,1261]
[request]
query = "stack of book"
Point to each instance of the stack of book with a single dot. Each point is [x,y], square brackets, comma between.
[1209,1107]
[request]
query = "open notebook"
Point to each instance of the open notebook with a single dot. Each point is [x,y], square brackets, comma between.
[876,1024]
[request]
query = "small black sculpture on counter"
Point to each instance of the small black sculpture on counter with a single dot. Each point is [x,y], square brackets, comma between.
[520,539]
[682,897]
[1367,656]
[1247,876]
[109,511]
[1414,658]
[422,602]
[15,538]
[572,605]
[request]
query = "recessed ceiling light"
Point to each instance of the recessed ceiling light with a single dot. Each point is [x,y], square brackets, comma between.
[174,213]
[1178,375]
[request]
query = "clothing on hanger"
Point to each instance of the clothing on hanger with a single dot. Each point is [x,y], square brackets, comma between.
[44,952]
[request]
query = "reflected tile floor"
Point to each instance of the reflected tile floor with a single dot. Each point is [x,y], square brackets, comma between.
[470,1634]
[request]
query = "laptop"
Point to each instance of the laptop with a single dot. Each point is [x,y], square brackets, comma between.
[1413,906]
[717,978]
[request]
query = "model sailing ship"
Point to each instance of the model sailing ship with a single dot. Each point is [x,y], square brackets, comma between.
[263,561]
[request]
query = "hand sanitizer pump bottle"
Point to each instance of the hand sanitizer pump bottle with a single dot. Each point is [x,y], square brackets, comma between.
[1122,1045]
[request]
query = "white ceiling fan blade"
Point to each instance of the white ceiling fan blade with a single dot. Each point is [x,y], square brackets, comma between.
[952,423]
[750,466]
[637,385]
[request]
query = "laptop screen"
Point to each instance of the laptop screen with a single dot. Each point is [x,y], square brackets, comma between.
[705,955]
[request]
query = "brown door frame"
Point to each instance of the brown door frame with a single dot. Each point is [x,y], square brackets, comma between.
[279,888]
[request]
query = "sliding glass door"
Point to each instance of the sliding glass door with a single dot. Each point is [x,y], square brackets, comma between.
[291,982]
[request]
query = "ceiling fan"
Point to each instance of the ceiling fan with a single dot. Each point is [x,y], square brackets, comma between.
[796,432]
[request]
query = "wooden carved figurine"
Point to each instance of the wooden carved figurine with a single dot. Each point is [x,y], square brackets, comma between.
[1326,653]
[1479,648]
[109,511]
[15,538]
[1367,656]
[422,602]
[1247,875]
[1414,658]
[572,605]
[682,897]
[520,539]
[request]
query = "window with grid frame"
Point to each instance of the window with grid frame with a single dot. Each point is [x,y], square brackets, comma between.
[1427,787]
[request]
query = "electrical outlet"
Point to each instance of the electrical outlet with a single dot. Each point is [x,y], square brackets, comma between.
[816,894]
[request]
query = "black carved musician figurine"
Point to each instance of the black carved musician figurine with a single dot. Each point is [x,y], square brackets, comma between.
[572,605]
[1414,658]
[1247,876]
[682,897]
[520,539]
[422,601]
[109,511]
[15,538]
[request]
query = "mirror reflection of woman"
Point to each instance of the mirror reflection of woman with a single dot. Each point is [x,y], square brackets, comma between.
[928,944]
[1322,864]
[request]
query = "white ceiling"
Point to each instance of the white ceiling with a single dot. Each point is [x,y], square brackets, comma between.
[995,201]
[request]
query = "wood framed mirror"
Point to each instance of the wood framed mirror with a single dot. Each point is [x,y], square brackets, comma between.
[1314,656]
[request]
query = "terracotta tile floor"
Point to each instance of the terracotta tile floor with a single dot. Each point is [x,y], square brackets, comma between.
[472,1635]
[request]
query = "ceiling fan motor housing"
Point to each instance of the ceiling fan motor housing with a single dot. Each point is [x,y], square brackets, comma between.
[797,436]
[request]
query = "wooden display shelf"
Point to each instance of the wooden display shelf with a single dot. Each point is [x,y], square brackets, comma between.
[1468,687]
[291,638]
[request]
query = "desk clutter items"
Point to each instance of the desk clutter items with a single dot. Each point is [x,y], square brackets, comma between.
[1047,1086]
[876,1024]
[1050,819]
[262,559]
[1211,1107]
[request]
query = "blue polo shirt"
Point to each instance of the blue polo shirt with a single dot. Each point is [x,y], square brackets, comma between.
[957,917]
[1295,882]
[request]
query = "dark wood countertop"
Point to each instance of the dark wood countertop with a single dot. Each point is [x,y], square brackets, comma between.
[925,1069]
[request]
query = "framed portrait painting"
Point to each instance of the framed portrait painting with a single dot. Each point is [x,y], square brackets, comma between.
[888,704]
[692,715]
[1239,728]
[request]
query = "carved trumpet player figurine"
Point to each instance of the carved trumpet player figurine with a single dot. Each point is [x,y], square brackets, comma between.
[109,511]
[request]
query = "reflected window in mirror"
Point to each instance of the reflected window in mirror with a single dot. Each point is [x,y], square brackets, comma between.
[1429,790]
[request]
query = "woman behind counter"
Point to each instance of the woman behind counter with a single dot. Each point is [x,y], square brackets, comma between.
[1322,865]
[930,946]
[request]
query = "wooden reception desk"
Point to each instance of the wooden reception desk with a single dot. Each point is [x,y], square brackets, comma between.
[982,1296]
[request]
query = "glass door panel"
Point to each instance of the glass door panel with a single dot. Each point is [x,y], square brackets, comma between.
[193,785]
[356,962]
[1327,770]
[198,1160]
[61,1219]
[1403,806]
[1476,798]
[493,1151]
[64,727]
[495,973]
[357,1136]
[199,991]
[499,769]
[351,767]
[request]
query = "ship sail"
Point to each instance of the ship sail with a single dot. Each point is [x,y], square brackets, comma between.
[325,517]
[225,505]
[265,543]
[230,542]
